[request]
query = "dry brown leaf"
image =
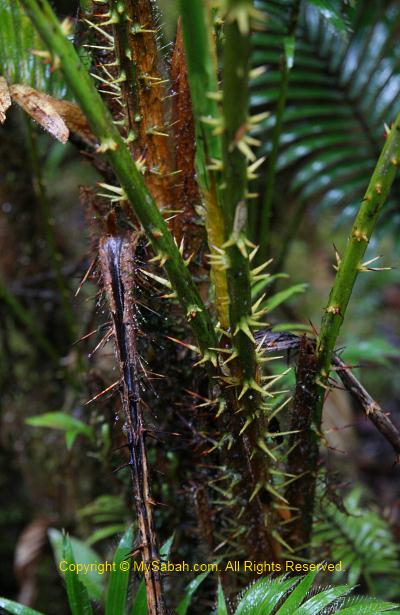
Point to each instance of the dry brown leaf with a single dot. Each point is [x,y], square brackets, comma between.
[74,119]
[5,99]
[28,550]
[41,108]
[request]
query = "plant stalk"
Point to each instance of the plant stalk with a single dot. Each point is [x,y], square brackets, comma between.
[244,368]
[118,269]
[351,262]
[201,60]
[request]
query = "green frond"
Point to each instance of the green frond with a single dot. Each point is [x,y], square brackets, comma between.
[362,539]
[283,596]
[343,87]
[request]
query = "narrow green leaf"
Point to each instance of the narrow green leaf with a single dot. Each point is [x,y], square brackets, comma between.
[16,609]
[60,420]
[105,532]
[314,605]
[298,594]
[189,591]
[283,295]
[119,578]
[263,596]
[364,605]
[289,46]
[166,548]
[139,606]
[221,604]
[78,597]
[83,554]
[331,10]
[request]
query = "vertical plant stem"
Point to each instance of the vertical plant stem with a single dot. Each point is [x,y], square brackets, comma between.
[264,229]
[286,66]
[118,269]
[143,94]
[244,368]
[303,454]
[128,174]
[236,64]
[351,262]
[349,267]
[201,63]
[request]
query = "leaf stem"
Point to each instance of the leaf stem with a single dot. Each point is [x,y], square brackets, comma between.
[201,60]
[351,262]
[236,66]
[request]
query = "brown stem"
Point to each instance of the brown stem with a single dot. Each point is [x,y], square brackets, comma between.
[117,264]
[372,409]
[276,342]
[303,452]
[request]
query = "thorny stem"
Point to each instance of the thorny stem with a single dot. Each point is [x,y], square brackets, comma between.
[129,176]
[143,94]
[303,453]
[200,55]
[236,66]
[117,263]
[235,106]
[277,342]
[286,65]
[351,262]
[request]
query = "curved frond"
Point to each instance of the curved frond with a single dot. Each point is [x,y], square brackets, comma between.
[361,539]
[283,596]
[343,89]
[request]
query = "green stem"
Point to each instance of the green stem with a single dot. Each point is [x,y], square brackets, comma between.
[351,263]
[201,61]
[244,368]
[128,174]
[236,66]
[44,206]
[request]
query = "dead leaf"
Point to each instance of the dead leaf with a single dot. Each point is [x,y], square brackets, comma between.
[74,119]
[5,99]
[41,108]
[28,551]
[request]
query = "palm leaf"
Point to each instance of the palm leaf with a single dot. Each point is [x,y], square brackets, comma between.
[343,88]
[283,596]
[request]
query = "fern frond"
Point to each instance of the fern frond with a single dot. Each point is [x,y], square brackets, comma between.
[361,539]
